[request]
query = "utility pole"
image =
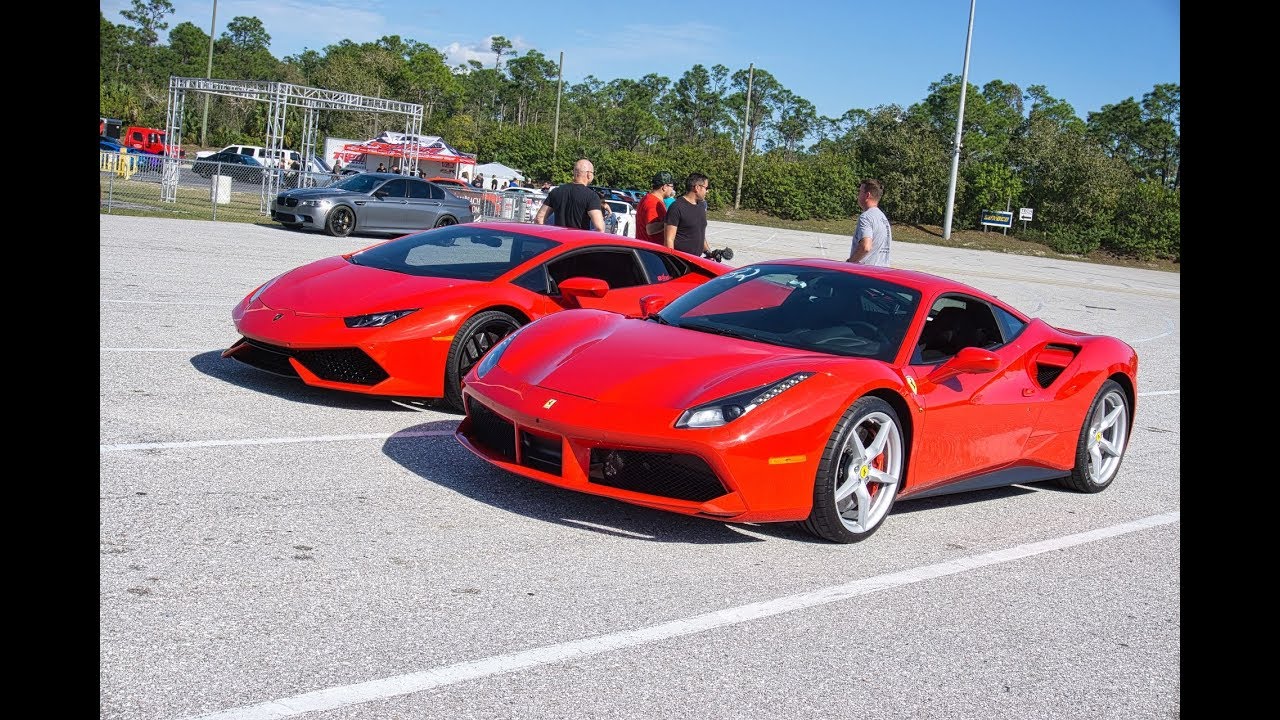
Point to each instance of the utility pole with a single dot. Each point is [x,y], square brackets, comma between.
[955,151]
[555,135]
[208,74]
[746,123]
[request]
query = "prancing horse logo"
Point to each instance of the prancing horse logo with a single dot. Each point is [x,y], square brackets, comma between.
[277,317]
[547,405]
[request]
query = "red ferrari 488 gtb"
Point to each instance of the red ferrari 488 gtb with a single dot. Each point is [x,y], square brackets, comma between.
[803,390]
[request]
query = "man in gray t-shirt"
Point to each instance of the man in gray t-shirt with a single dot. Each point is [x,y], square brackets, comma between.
[873,235]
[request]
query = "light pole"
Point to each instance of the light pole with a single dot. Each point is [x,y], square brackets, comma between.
[955,151]
[208,73]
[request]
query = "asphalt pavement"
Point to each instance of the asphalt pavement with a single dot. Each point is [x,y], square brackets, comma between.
[269,550]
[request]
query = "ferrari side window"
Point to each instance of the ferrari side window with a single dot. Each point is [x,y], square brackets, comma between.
[956,322]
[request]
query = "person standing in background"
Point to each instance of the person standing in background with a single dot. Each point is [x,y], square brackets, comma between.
[651,213]
[873,235]
[575,205]
[686,222]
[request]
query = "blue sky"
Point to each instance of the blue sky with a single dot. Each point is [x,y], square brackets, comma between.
[838,55]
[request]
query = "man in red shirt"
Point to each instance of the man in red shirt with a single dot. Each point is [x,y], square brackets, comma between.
[651,213]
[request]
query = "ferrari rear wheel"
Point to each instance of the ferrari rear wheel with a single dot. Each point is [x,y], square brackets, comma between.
[860,473]
[471,342]
[1104,437]
[341,222]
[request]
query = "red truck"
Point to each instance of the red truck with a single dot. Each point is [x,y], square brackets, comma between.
[147,139]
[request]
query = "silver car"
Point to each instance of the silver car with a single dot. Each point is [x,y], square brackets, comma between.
[383,203]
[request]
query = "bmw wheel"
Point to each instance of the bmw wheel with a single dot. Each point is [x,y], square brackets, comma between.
[1104,436]
[341,221]
[859,474]
[445,221]
[471,342]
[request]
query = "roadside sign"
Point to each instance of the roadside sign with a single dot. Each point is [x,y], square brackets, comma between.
[997,218]
[1025,213]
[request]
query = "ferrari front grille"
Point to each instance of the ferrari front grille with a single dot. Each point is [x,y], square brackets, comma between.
[541,452]
[672,475]
[492,432]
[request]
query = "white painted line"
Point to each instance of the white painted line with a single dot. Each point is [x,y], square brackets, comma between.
[269,441]
[147,350]
[222,303]
[346,695]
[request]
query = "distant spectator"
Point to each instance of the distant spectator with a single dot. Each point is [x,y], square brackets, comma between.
[686,223]
[381,168]
[651,213]
[478,181]
[546,186]
[575,205]
[493,184]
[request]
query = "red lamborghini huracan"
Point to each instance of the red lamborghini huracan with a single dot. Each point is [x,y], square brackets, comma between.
[810,390]
[407,318]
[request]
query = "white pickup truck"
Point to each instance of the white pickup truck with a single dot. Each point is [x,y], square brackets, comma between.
[257,152]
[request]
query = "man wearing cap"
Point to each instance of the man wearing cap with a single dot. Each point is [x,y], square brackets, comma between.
[651,213]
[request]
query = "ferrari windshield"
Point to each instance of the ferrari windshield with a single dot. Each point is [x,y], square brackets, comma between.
[822,310]
[461,251]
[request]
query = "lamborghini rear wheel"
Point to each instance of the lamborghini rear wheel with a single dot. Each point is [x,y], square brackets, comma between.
[859,474]
[471,342]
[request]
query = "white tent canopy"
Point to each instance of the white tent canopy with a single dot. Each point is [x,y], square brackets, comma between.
[498,170]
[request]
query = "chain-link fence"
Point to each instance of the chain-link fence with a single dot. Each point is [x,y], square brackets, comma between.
[136,183]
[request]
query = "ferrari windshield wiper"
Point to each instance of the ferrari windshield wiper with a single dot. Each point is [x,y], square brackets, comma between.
[721,330]
[658,319]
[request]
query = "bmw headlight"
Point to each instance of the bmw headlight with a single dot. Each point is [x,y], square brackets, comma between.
[491,358]
[376,319]
[727,409]
[312,203]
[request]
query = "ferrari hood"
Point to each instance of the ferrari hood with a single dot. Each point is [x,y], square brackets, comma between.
[610,358]
[335,287]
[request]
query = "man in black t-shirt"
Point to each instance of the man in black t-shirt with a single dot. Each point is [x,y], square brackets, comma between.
[686,223]
[575,205]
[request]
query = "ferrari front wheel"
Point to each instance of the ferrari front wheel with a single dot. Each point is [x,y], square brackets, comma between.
[1104,435]
[471,342]
[859,474]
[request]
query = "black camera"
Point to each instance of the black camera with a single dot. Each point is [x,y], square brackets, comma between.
[720,254]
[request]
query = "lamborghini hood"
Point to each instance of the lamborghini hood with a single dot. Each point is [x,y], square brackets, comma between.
[335,287]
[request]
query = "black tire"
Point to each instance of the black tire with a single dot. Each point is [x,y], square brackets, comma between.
[859,474]
[445,221]
[341,221]
[471,342]
[1104,436]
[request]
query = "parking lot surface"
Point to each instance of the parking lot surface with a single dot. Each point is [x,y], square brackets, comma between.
[270,550]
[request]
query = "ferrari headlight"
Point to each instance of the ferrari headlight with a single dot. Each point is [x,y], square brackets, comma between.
[490,359]
[376,319]
[728,409]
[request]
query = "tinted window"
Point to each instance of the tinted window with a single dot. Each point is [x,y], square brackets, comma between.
[956,322]
[616,267]
[395,189]
[419,190]
[656,267]
[459,251]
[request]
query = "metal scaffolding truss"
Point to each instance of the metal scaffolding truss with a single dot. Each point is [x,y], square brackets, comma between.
[280,97]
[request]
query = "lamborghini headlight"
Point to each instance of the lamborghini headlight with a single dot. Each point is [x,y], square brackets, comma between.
[376,319]
[728,409]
